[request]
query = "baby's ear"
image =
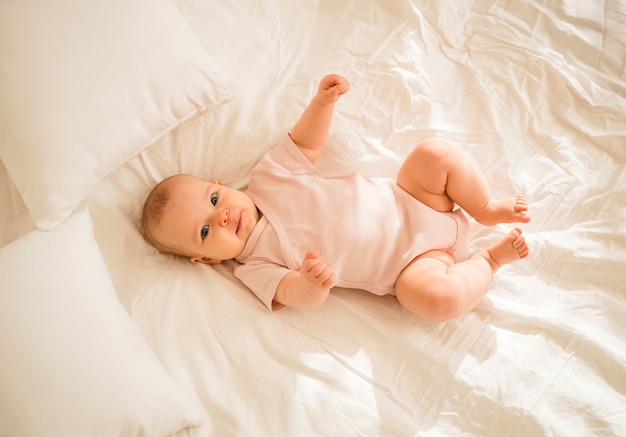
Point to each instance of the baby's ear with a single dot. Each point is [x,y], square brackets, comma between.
[205,260]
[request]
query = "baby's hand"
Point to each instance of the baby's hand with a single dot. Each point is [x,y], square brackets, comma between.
[316,272]
[331,87]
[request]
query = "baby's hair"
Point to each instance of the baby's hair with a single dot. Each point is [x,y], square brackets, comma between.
[153,210]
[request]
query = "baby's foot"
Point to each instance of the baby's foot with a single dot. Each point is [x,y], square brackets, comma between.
[508,210]
[509,249]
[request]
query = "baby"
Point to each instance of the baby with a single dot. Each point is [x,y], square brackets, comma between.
[295,234]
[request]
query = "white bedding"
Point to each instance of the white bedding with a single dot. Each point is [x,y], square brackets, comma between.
[535,91]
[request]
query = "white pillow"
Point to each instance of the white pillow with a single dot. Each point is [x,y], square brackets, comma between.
[85,85]
[73,362]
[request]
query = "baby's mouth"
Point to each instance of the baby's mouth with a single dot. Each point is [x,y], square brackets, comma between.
[238,225]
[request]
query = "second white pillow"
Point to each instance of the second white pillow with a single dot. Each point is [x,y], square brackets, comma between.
[74,363]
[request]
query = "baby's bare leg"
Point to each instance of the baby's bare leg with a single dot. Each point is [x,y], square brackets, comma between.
[439,174]
[435,288]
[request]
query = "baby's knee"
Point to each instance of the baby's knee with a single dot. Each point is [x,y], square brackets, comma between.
[434,301]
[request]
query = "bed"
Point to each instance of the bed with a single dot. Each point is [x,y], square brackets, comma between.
[102,335]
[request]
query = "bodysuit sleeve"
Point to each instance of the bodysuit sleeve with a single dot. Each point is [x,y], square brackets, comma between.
[262,278]
[286,156]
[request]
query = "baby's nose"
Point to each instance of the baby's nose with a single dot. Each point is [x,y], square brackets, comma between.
[223,217]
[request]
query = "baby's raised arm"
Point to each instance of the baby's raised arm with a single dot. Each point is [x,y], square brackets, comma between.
[311,130]
[309,287]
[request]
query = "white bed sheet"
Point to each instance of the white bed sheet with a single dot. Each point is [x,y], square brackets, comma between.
[534,91]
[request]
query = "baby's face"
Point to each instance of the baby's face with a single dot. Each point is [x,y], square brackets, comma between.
[205,220]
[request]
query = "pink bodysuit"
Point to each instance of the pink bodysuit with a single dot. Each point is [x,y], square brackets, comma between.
[366,229]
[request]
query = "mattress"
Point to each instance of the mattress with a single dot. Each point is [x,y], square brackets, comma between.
[534,92]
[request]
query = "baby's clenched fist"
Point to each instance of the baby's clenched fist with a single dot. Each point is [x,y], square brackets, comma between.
[316,272]
[331,88]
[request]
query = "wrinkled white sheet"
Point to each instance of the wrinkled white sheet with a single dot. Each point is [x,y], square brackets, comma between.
[534,91]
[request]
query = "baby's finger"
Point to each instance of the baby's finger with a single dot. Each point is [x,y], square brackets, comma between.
[329,80]
[317,268]
[310,255]
[330,282]
[308,260]
[342,85]
[328,278]
[308,266]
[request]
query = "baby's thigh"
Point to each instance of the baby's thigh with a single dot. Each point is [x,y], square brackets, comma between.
[423,286]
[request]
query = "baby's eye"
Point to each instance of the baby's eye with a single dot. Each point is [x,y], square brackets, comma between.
[204,231]
[213,199]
